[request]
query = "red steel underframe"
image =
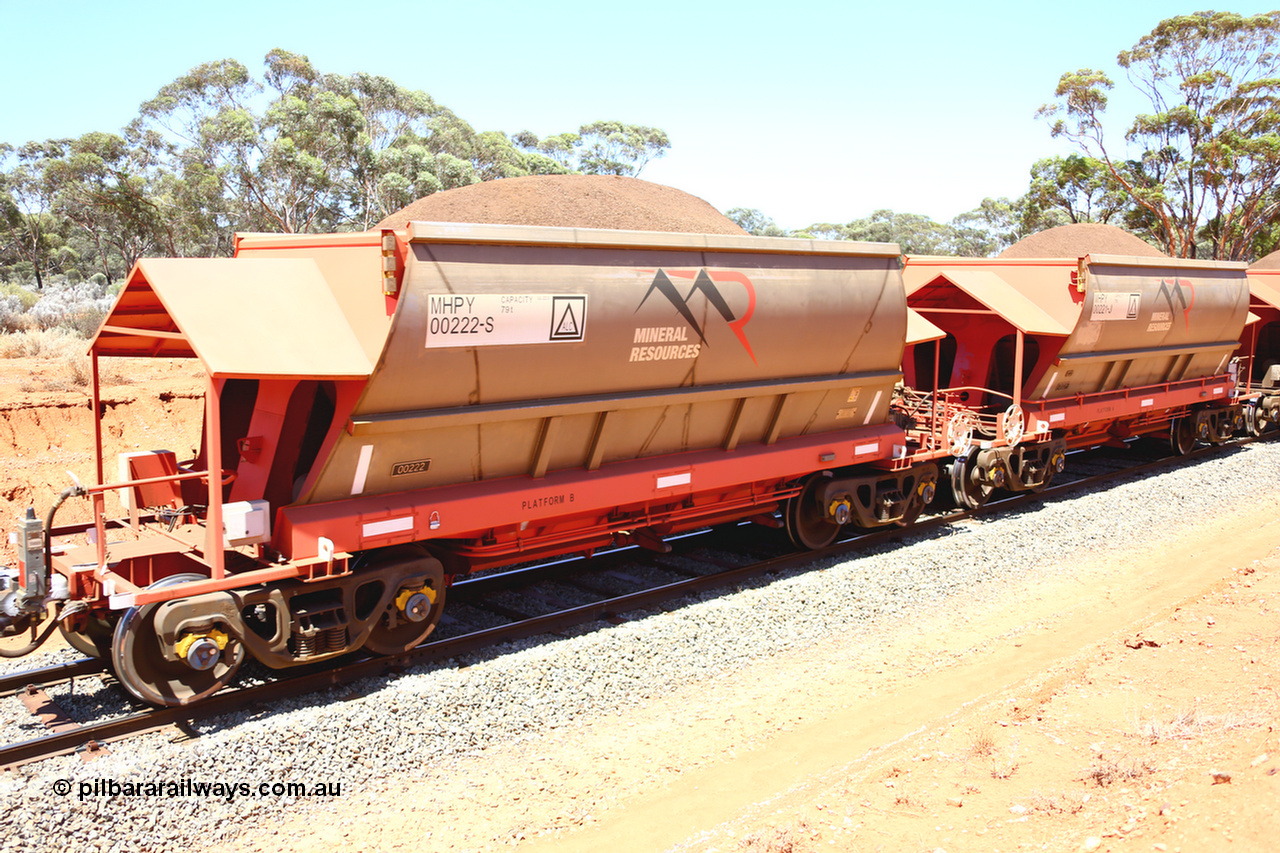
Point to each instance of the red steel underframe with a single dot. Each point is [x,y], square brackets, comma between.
[463,510]
[470,510]
[1070,412]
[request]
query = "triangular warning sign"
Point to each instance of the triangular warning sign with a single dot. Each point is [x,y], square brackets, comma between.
[568,318]
[567,327]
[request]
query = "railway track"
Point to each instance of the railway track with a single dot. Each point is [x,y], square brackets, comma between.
[708,560]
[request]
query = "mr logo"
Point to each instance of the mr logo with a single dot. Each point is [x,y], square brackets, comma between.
[1175,290]
[705,282]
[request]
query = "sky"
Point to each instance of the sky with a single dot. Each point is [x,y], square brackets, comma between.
[810,112]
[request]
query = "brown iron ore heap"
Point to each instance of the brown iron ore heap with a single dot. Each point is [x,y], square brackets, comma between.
[1080,239]
[1267,262]
[570,201]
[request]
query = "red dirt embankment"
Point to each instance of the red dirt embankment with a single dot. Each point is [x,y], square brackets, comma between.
[46,427]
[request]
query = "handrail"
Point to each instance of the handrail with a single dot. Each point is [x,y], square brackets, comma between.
[953,419]
[228,477]
[96,493]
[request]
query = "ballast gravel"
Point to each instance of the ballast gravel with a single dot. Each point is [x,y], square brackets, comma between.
[418,723]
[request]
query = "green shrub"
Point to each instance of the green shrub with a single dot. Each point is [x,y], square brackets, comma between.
[26,297]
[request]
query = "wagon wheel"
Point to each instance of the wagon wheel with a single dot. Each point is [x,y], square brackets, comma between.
[967,493]
[414,612]
[143,670]
[1182,436]
[1255,420]
[807,524]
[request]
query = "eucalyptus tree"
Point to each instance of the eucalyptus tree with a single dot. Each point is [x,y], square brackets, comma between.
[598,148]
[396,157]
[1081,188]
[204,122]
[305,151]
[755,222]
[915,233]
[1207,156]
[615,148]
[30,231]
[102,185]
[997,223]
[288,167]
[560,148]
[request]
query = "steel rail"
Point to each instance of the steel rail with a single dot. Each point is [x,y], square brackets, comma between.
[49,675]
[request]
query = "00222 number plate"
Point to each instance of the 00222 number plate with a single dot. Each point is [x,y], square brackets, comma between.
[418,466]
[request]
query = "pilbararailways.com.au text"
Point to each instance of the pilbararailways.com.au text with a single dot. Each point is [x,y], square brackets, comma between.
[229,791]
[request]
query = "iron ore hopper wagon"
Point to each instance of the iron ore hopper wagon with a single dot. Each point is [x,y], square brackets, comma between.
[385,412]
[1043,356]
[1259,352]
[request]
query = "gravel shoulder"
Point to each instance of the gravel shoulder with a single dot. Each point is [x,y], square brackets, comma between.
[843,707]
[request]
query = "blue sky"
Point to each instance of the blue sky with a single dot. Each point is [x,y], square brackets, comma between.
[811,112]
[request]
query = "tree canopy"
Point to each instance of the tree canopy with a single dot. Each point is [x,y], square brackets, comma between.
[219,150]
[599,148]
[1202,168]
[986,230]
[1198,176]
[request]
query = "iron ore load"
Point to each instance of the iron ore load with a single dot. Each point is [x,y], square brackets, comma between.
[388,411]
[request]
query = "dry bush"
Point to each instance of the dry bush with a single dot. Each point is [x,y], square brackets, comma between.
[1183,725]
[75,370]
[80,370]
[775,840]
[11,322]
[15,302]
[982,744]
[1004,770]
[1107,770]
[120,371]
[78,305]
[1191,722]
[42,343]
[1055,804]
